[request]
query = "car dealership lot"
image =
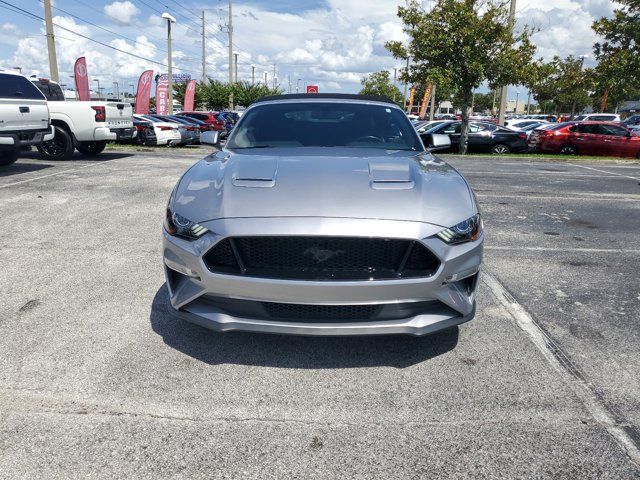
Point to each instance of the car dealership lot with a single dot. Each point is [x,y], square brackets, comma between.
[97,380]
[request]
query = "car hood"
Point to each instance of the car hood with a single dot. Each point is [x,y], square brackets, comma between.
[324,182]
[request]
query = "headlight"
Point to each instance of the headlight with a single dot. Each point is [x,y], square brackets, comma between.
[466,231]
[176,224]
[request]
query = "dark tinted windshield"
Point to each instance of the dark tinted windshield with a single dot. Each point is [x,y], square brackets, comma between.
[15,86]
[325,124]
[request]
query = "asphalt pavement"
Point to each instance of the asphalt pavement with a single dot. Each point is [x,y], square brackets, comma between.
[97,380]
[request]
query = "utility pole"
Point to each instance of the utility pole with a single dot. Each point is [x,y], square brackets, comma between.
[289,80]
[170,20]
[235,61]
[253,74]
[406,85]
[274,76]
[432,111]
[298,85]
[503,93]
[204,63]
[230,33]
[51,42]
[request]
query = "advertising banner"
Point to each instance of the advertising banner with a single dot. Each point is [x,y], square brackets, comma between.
[162,98]
[143,94]
[189,96]
[82,79]
[425,101]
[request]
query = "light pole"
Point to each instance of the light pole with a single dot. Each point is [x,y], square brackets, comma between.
[265,78]
[253,74]
[515,110]
[117,90]
[503,89]
[98,81]
[298,85]
[235,62]
[133,91]
[170,20]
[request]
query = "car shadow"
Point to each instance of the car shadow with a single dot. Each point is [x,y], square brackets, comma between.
[103,157]
[18,168]
[284,351]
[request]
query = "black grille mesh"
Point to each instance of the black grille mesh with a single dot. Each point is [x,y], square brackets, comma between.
[288,311]
[322,258]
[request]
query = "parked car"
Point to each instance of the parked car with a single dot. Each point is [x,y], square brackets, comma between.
[542,117]
[24,116]
[528,129]
[586,138]
[187,133]
[192,129]
[146,133]
[210,118]
[597,117]
[423,125]
[633,120]
[483,137]
[398,250]
[520,124]
[83,126]
[167,133]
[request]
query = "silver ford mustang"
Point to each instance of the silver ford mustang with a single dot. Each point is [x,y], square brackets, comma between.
[323,215]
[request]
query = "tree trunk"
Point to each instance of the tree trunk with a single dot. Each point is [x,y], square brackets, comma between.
[464,127]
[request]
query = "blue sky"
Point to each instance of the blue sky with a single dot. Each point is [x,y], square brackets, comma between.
[331,43]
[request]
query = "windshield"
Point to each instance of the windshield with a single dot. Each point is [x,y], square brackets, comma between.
[325,124]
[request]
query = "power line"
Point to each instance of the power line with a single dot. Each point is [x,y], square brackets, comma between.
[38,17]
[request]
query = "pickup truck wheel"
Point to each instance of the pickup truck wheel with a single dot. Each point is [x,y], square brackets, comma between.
[91,148]
[60,148]
[7,158]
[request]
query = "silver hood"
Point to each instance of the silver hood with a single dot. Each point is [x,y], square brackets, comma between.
[324,182]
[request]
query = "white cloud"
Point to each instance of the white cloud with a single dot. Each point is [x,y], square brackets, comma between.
[123,12]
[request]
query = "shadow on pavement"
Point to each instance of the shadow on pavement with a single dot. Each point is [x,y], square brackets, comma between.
[284,351]
[18,168]
[77,156]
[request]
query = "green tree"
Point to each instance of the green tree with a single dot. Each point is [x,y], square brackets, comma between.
[618,55]
[463,43]
[379,83]
[562,84]
[245,93]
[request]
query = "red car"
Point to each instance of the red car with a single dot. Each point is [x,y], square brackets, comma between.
[586,138]
[210,118]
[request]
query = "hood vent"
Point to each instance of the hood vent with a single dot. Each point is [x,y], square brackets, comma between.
[390,176]
[257,174]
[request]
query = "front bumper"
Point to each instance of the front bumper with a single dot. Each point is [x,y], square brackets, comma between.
[452,300]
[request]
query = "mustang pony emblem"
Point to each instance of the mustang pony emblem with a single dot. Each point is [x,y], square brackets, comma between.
[320,255]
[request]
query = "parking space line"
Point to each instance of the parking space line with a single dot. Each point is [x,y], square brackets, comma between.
[583,196]
[562,249]
[566,174]
[604,171]
[66,170]
[563,365]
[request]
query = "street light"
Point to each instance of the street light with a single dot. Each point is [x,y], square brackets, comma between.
[169,20]
[298,85]
[117,90]
[517,98]
[253,74]
[98,81]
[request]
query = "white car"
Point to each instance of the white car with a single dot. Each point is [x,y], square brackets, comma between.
[519,124]
[24,116]
[598,117]
[85,126]
[167,133]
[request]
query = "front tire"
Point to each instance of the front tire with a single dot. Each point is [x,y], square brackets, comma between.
[568,150]
[7,158]
[91,148]
[500,149]
[59,148]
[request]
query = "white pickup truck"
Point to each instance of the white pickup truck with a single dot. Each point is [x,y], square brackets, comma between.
[86,126]
[24,116]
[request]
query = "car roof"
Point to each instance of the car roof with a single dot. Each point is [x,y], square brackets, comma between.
[13,72]
[326,96]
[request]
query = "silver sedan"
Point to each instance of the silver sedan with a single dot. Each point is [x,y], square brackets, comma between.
[323,215]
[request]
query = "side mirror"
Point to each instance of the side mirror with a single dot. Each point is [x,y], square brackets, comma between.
[437,141]
[210,138]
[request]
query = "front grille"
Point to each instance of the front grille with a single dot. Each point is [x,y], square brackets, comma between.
[322,258]
[290,311]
